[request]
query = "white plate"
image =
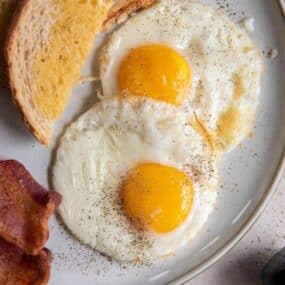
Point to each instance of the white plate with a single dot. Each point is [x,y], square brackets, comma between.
[249,173]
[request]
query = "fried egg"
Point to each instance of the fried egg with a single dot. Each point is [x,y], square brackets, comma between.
[138,182]
[189,55]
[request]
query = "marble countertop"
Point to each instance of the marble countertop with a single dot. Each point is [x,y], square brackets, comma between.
[242,265]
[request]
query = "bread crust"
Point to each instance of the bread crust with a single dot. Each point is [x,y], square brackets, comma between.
[20,12]
[125,8]
[7,9]
[12,32]
[118,13]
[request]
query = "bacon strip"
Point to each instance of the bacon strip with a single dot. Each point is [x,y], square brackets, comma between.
[18,268]
[25,207]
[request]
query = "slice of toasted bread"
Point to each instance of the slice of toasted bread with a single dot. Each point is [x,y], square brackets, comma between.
[118,13]
[47,46]
[46,49]
[7,8]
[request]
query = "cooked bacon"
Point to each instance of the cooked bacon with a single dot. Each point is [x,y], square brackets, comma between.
[25,208]
[18,268]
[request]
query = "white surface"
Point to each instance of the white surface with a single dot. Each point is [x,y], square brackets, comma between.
[246,173]
[242,265]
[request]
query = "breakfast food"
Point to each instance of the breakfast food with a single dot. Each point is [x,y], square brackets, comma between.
[137,172]
[118,13]
[121,9]
[137,180]
[25,208]
[7,8]
[18,268]
[44,64]
[190,55]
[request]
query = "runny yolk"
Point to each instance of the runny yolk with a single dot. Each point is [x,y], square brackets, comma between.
[155,71]
[157,197]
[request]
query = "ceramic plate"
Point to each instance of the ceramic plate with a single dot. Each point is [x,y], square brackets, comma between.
[249,174]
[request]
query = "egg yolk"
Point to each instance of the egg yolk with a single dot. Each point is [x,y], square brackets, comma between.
[155,71]
[157,197]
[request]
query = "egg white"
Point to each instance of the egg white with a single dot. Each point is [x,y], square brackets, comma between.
[222,58]
[101,147]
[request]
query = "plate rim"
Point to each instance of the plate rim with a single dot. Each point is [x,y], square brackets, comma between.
[250,222]
[252,219]
[257,212]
